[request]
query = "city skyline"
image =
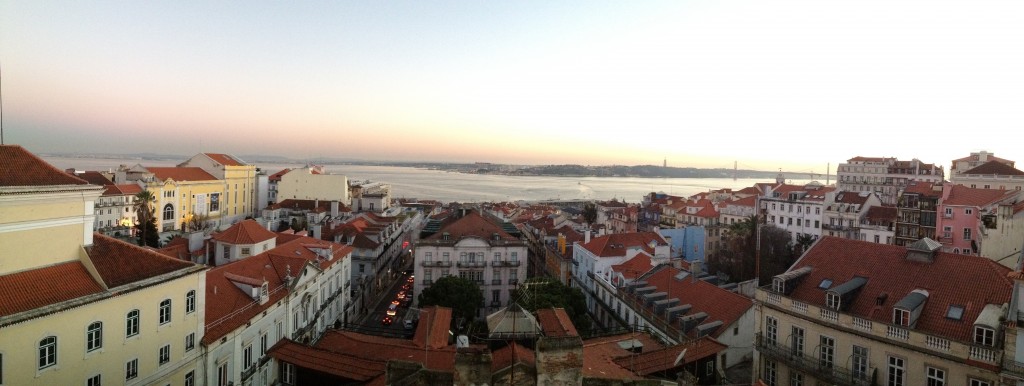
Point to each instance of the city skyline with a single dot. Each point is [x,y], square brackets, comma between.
[790,85]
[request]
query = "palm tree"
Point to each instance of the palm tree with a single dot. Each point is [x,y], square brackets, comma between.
[143,206]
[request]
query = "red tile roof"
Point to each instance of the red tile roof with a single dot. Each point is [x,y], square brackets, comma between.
[226,159]
[719,304]
[599,355]
[995,167]
[555,322]
[181,174]
[616,244]
[244,233]
[340,364]
[749,201]
[22,168]
[119,263]
[923,188]
[633,268]
[852,197]
[507,356]
[472,225]
[381,349]
[29,290]
[276,177]
[881,213]
[433,325]
[95,178]
[966,196]
[656,361]
[867,159]
[968,281]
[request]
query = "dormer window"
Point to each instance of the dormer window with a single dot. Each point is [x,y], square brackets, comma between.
[778,285]
[832,301]
[984,336]
[901,317]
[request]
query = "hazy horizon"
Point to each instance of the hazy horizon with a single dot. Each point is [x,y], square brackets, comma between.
[792,85]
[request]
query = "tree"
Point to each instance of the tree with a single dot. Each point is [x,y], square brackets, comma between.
[199,222]
[143,206]
[803,242]
[590,213]
[541,293]
[462,295]
[738,259]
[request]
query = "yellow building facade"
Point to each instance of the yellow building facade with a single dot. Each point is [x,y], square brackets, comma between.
[239,178]
[183,193]
[80,308]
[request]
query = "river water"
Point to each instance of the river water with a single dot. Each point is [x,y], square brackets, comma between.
[446,186]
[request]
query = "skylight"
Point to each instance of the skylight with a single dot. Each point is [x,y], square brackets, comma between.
[825,284]
[955,312]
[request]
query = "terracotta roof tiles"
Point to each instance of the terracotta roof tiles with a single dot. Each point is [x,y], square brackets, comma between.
[244,233]
[719,304]
[340,364]
[22,168]
[29,290]
[120,263]
[181,174]
[967,196]
[656,361]
[472,225]
[507,356]
[614,245]
[951,279]
[226,159]
[555,322]
[995,167]
[95,178]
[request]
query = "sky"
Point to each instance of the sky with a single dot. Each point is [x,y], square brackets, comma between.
[763,85]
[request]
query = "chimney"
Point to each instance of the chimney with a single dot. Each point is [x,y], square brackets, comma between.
[586,236]
[334,209]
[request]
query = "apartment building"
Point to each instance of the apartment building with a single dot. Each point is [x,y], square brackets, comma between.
[594,258]
[240,187]
[473,247]
[850,312]
[966,214]
[796,209]
[996,173]
[295,290]
[81,308]
[311,183]
[916,214]
[886,176]
[845,211]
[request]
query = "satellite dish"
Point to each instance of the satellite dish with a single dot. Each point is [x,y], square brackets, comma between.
[462,341]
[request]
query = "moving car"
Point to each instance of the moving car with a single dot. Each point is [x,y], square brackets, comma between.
[392,310]
[386,321]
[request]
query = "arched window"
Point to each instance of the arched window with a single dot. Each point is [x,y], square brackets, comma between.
[168,212]
[165,311]
[94,336]
[132,323]
[190,302]
[47,352]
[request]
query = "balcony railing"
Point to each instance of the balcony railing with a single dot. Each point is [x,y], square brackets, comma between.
[897,333]
[472,264]
[828,372]
[505,263]
[436,263]
[983,354]
[496,282]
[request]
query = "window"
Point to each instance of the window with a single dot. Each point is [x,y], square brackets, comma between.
[93,381]
[771,330]
[900,317]
[799,222]
[896,372]
[246,251]
[247,357]
[94,336]
[132,323]
[955,312]
[190,302]
[817,224]
[825,284]
[165,354]
[984,336]
[770,373]
[832,300]
[288,374]
[47,352]
[860,363]
[795,378]
[168,212]
[446,256]
[165,311]
[978,382]
[131,369]
[190,341]
[222,374]
[214,202]
[967,233]
[514,256]
[936,377]
[798,341]
[190,378]
[826,357]
[949,212]
[428,256]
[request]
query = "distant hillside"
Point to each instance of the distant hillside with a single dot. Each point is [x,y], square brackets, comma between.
[638,171]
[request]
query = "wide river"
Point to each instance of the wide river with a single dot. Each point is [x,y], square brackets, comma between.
[445,186]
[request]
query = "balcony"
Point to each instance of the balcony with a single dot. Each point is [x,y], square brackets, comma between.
[500,263]
[472,264]
[479,282]
[496,282]
[830,373]
[495,304]
[436,263]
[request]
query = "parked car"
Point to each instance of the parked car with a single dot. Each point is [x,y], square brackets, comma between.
[409,324]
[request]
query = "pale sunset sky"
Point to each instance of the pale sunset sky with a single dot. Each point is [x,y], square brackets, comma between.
[770,84]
